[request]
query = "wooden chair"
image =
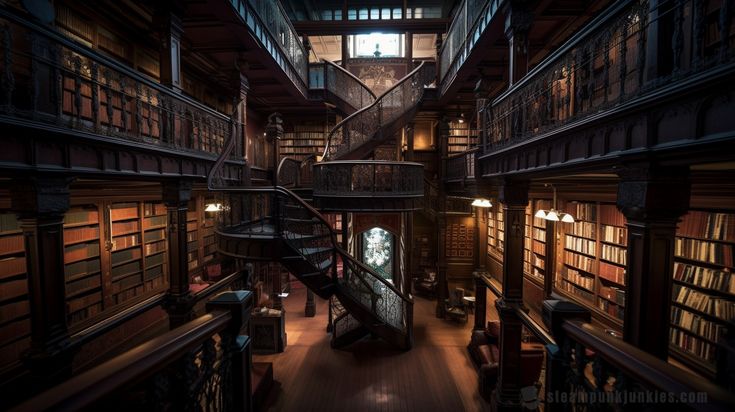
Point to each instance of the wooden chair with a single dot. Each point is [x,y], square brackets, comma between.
[455,307]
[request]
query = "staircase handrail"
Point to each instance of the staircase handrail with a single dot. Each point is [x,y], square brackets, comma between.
[348,74]
[377,101]
[368,269]
[282,169]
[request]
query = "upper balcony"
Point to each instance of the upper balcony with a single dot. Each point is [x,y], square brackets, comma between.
[637,79]
[120,119]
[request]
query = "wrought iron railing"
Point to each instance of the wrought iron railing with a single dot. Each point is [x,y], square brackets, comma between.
[461,166]
[340,83]
[363,125]
[468,24]
[201,365]
[368,179]
[606,66]
[593,370]
[54,82]
[288,172]
[269,23]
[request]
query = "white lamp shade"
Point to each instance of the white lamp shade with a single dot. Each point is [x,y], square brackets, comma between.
[481,203]
[552,216]
[567,218]
[213,207]
[540,213]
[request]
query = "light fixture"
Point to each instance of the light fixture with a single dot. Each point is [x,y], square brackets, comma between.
[553,214]
[480,202]
[214,207]
[461,118]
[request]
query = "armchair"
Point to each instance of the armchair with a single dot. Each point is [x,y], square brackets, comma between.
[426,284]
[455,306]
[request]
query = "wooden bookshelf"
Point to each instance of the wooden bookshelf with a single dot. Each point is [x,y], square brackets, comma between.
[703,295]
[535,240]
[82,263]
[192,239]
[304,140]
[494,242]
[591,259]
[15,323]
[462,137]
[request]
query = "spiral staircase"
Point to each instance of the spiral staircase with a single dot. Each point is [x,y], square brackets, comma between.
[275,224]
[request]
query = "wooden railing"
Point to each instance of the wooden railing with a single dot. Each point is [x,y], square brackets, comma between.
[201,365]
[269,23]
[468,24]
[339,82]
[608,65]
[591,369]
[368,178]
[461,166]
[52,82]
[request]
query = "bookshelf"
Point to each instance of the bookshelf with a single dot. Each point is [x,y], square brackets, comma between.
[82,264]
[592,257]
[15,323]
[495,233]
[703,294]
[155,245]
[126,254]
[209,244]
[461,137]
[535,240]
[305,140]
[192,239]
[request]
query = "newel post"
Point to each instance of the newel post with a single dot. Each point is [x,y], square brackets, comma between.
[236,347]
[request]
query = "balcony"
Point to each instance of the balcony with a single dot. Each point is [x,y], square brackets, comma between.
[615,89]
[368,186]
[53,84]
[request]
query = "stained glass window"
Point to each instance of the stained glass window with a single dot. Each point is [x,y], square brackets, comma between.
[377,251]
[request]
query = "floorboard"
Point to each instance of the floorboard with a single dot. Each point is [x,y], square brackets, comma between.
[369,375]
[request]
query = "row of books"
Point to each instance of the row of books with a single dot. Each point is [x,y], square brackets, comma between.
[539,234]
[611,308]
[583,211]
[122,242]
[152,235]
[704,251]
[613,293]
[80,251]
[718,307]
[125,255]
[614,234]
[614,254]
[84,301]
[717,226]
[14,310]
[697,324]
[84,313]
[569,287]
[126,269]
[123,211]
[579,244]
[81,215]
[574,276]
[81,268]
[154,247]
[583,229]
[12,266]
[579,261]
[611,216]
[612,273]
[125,227]
[82,284]
[691,344]
[538,262]
[13,289]
[154,221]
[78,234]
[705,277]
[154,209]
[539,248]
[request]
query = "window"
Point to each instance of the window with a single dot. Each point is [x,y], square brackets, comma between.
[376,45]
[377,251]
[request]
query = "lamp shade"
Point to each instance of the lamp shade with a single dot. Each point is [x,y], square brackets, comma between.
[540,213]
[481,203]
[552,215]
[213,207]
[567,218]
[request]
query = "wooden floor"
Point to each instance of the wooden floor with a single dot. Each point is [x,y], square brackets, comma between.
[436,375]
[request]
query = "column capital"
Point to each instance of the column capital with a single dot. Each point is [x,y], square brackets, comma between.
[518,19]
[650,192]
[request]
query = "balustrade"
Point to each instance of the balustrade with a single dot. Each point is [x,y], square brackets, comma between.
[54,82]
[461,166]
[607,66]
[340,83]
[368,178]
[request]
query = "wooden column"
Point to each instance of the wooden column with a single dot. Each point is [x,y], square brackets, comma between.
[409,50]
[550,257]
[652,199]
[408,253]
[241,86]
[345,51]
[275,273]
[40,204]
[273,134]
[310,306]
[517,25]
[441,220]
[480,302]
[179,301]
[507,395]
[170,28]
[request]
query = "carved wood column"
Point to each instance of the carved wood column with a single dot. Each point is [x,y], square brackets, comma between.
[441,220]
[517,25]
[170,28]
[514,196]
[241,86]
[345,51]
[310,306]
[40,204]
[409,260]
[179,301]
[273,134]
[652,200]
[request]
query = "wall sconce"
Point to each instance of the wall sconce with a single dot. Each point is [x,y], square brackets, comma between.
[553,214]
[213,207]
[461,118]
[480,202]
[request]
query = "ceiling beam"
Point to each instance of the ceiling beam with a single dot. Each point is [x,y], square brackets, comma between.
[339,27]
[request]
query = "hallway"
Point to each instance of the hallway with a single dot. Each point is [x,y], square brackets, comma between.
[436,375]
